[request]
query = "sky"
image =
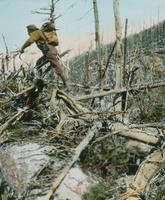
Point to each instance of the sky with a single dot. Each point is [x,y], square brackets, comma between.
[76,24]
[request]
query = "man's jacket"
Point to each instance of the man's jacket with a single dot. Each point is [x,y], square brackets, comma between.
[37,37]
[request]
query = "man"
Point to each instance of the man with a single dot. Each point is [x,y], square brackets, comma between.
[49,52]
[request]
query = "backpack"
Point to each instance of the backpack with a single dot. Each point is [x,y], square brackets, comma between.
[49,31]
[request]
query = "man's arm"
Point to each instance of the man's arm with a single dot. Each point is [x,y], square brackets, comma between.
[33,38]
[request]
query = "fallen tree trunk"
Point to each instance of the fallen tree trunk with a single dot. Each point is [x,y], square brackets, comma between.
[17,95]
[12,119]
[154,125]
[33,93]
[146,172]
[134,134]
[116,91]
[72,106]
[84,143]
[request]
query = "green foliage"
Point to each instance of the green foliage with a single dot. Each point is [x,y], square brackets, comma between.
[13,85]
[151,106]
[17,131]
[105,159]
[99,191]
[161,194]
[157,113]
[21,131]
[37,113]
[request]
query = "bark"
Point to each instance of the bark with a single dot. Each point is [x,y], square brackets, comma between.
[12,119]
[17,95]
[121,90]
[109,58]
[98,43]
[125,51]
[118,58]
[86,70]
[135,134]
[154,125]
[146,171]
[73,106]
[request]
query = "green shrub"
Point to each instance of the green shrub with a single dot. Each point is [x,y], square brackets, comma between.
[98,191]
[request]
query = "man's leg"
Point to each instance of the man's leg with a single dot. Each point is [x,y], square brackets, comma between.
[57,66]
[40,62]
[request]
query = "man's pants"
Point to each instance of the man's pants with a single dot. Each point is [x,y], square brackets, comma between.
[52,57]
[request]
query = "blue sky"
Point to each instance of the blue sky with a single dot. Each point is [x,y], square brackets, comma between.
[77,22]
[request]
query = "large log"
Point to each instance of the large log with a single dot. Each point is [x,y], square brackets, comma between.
[135,134]
[154,125]
[116,91]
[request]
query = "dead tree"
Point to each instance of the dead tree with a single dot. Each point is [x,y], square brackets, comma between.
[86,70]
[118,57]
[50,11]
[98,43]
[7,53]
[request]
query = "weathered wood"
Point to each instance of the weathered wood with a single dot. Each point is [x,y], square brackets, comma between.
[12,119]
[74,107]
[84,143]
[125,51]
[86,70]
[118,57]
[146,171]
[154,125]
[109,58]
[98,43]
[17,95]
[98,113]
[135,134]
[121,90]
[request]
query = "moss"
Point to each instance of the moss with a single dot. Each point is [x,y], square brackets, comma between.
[17,131]
[99,191]
[156,114]
[13,85]
[105,159]
[21,131]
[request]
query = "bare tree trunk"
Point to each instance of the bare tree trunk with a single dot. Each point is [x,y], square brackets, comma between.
[98,43]
[119,74]
[3,66]
[7,53]
[125,50]
[52,9]
[86,70]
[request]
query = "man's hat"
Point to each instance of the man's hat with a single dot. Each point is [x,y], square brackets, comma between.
[32,27]
[48,26]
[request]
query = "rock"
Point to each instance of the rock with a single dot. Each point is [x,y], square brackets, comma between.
[19,163]
[74,185]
